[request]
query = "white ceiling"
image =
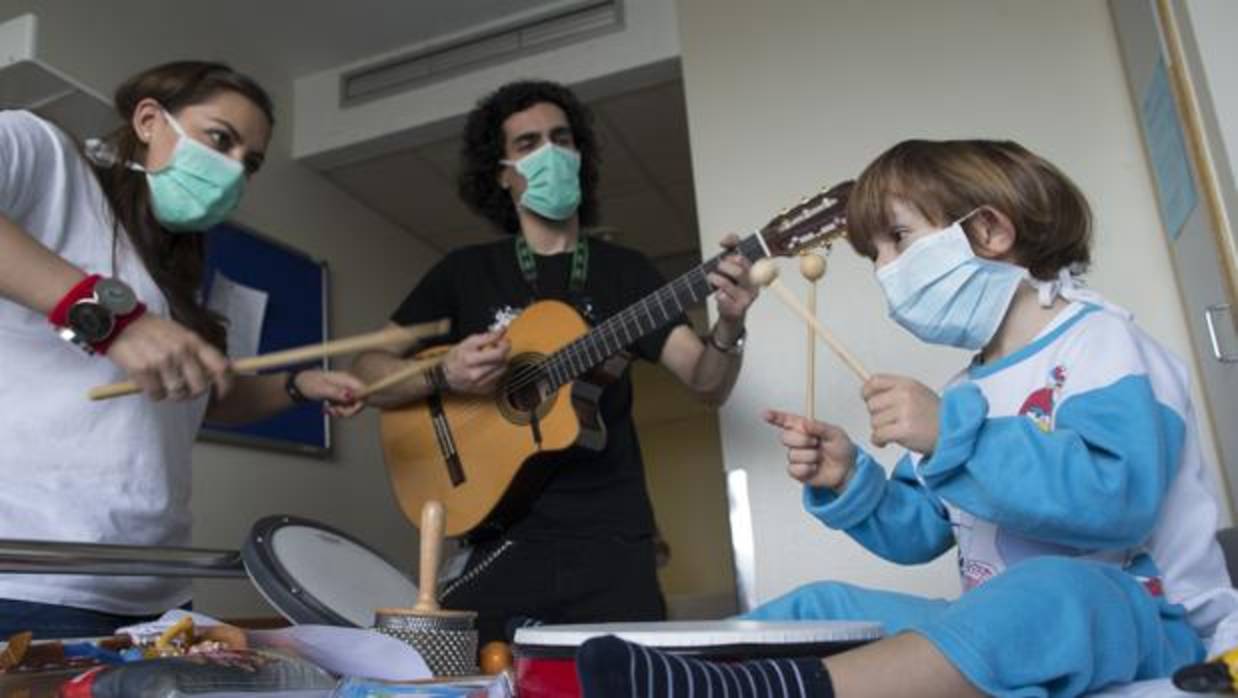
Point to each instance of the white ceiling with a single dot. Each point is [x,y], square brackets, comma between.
[646,190]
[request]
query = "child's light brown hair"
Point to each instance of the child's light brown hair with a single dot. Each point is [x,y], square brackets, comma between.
[946,180]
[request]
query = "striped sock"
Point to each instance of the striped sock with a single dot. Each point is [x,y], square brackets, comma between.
[613,668]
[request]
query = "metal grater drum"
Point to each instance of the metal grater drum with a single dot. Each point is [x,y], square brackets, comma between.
[447,640]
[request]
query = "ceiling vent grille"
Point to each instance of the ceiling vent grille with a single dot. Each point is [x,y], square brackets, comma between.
[566,24]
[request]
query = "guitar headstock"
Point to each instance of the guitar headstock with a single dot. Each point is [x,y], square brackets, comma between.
[814,222]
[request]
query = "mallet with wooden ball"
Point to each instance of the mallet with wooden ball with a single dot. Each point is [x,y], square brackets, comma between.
[765,273]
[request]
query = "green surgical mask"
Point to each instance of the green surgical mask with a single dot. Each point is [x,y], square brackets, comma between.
[552,175]
[197,189]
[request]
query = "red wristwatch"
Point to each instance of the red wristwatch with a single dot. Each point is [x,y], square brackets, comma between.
[93,312]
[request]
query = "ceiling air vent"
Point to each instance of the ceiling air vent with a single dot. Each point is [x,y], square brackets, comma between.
[567,23]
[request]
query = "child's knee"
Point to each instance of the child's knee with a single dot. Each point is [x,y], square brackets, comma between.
[1079,584]
[1074,595]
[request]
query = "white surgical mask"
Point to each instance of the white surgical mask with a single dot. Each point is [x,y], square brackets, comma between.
[941,292]
[196,190]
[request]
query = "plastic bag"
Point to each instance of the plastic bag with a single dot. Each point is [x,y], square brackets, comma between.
[234,672]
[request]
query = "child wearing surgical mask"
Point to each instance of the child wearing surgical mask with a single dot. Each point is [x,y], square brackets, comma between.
[101,265]
[1063,462]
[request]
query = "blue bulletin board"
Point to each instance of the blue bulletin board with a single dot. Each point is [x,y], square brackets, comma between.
[295,314]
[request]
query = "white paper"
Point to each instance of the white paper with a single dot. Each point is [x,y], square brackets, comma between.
[244,307]
[348,651]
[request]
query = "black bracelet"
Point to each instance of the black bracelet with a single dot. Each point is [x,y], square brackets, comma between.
[290,387]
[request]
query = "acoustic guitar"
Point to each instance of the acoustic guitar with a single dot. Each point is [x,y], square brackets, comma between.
[479,455]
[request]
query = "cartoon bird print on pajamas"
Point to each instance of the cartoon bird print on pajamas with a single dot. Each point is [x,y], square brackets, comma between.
[1039,405]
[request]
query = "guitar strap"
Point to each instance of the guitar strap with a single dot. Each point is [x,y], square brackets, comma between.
[580,265]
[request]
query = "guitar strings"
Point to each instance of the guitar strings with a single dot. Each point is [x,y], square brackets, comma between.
[578,352]
[626,319]
[527,374]
[530,373]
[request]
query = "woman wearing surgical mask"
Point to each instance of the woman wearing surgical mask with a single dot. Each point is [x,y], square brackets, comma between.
[101,263]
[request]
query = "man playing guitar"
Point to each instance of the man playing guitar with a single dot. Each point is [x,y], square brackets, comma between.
[582,547]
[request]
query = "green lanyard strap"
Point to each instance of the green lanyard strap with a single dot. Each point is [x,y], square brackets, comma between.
[580,264]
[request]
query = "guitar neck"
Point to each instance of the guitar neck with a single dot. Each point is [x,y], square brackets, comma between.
[641,318]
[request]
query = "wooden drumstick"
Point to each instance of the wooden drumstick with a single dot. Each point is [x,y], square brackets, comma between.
[765,273]
[812,267]
[389,337]
[413,369]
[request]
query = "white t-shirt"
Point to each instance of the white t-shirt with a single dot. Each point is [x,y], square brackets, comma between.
[72,469]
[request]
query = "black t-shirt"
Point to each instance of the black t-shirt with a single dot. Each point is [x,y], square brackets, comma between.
[480,288]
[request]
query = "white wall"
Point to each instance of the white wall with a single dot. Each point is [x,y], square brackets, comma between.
[785,97]
[373,264]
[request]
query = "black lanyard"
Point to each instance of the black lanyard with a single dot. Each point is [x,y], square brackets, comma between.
[580,264]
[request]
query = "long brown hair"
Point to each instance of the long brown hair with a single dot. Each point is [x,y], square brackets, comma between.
[946,180]
[174,261]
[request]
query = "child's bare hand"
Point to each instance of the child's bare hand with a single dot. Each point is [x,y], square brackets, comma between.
[818,454]
[903,411]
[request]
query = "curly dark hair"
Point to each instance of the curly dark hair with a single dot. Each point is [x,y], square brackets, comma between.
[484,146]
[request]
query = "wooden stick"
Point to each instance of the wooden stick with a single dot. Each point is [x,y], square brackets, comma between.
[413,369]
[810,398]
[767,275]
[389,337]
[812,268]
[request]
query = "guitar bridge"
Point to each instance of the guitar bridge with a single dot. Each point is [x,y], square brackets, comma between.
[446,442]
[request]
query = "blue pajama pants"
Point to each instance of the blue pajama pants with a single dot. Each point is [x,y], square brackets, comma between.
[1048,626]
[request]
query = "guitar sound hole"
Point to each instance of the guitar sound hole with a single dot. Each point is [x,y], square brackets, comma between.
[524,389]
[525,398]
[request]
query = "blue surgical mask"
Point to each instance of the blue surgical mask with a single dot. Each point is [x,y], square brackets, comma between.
[941,292]
[197,189]
[552,177]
